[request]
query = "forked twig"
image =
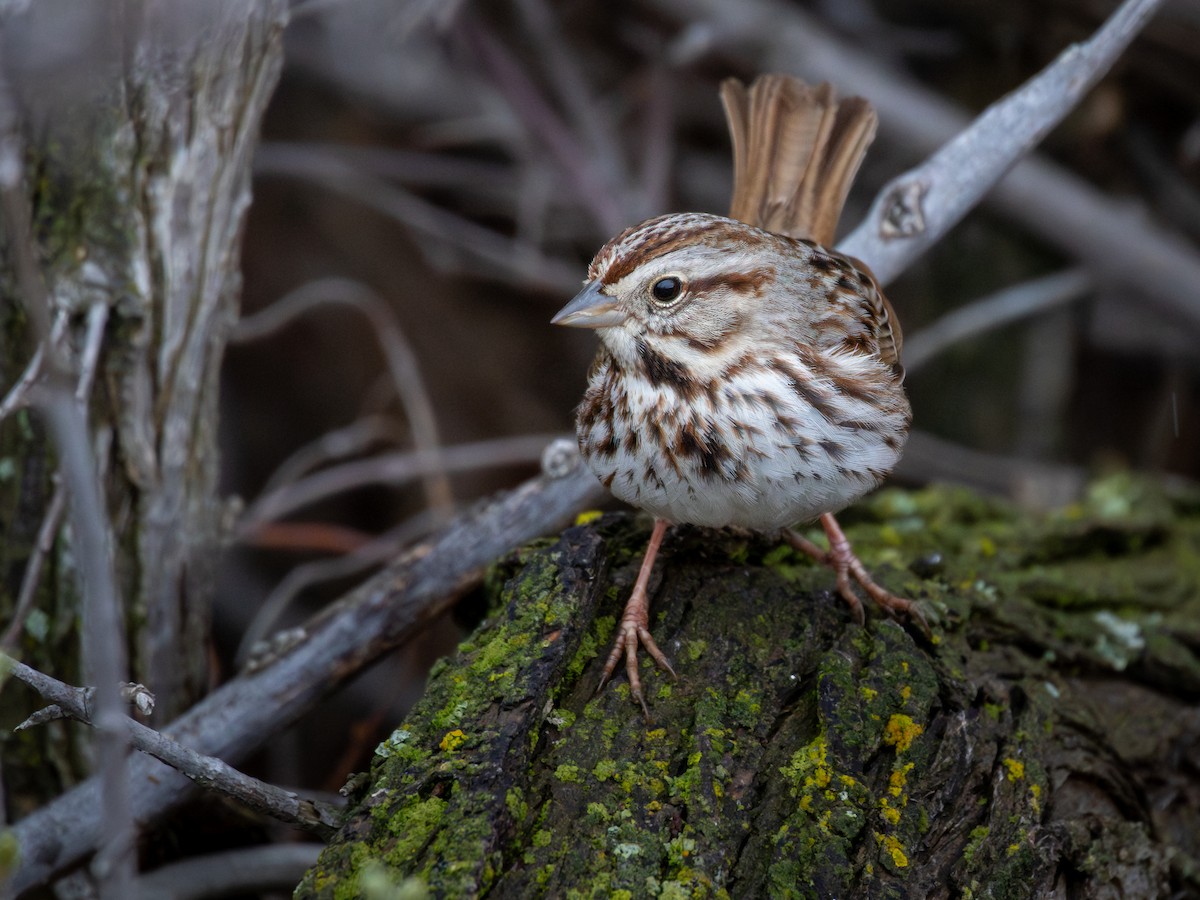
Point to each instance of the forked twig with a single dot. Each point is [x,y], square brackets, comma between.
[206,771]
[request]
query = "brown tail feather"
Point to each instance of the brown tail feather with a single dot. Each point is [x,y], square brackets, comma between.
[796,149]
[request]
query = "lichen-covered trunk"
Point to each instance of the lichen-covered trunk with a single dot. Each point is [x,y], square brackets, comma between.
[136,138]
[1042,745]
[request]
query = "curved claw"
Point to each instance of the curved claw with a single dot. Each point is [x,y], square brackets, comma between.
[846,565]
[630,633]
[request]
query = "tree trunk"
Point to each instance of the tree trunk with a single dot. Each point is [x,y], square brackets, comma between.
[1042,745]
[136,123]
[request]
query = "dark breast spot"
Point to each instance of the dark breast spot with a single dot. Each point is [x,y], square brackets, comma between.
[704,447]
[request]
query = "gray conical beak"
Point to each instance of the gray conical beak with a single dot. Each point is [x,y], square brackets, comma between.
[590,309]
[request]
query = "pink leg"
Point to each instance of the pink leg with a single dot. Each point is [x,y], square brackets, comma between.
[846,565]
[634,626]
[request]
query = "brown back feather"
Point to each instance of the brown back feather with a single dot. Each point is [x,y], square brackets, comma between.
[796,150]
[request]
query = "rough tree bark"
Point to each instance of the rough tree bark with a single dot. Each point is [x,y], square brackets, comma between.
[137,123]
[1044,744]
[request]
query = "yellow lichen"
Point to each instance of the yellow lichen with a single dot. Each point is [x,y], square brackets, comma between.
[901,731]
[898,779]
[588,516]
[453,740]
[1016,769]
[892,847]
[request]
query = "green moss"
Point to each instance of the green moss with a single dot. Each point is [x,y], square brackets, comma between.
[10,853]
[840,724]
[979,834]
[569,774]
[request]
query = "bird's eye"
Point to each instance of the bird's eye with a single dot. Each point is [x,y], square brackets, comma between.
[666,290]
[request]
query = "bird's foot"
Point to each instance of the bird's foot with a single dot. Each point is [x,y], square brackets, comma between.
[846,566]
[634,628]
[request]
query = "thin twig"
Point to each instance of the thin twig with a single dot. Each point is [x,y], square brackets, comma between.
[590,119]
[386,546]
[1035,484]
[392,468]
[103,637]
[353,439]
[526,101]
[206,771]
[18,396]
[995,311]
[265,870]
[97,317]
[399,355]
[412,167]
[656,142]
[33,567]
[524,264]
[89,358]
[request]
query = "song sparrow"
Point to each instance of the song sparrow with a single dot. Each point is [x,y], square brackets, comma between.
[747,375]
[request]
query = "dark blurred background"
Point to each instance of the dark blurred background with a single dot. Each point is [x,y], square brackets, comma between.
[434,178]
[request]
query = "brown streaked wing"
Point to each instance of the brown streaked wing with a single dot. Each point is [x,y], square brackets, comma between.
[885,321]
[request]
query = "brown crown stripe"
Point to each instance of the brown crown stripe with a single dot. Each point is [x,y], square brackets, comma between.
[652,245]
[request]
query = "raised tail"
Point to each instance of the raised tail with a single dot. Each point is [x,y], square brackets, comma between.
[796,150]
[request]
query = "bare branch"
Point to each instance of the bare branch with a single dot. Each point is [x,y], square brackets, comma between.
[591,121]
[1120,243]
[914,210]
[254,870]
[46,536]
[520,262]
[376,617]
[402,363]
[387,546]
[206,771]
[995,311]
[18,395]
[351,440]
[1035,484]
[525,100]
[392,468]
[103,635]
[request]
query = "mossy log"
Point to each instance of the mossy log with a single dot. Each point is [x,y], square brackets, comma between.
[1042,744]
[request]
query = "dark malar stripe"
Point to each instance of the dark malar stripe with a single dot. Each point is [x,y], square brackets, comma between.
[661,371]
